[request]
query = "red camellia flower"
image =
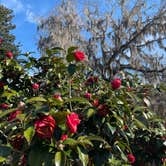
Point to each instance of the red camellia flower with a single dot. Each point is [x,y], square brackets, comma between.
[35,86]
[64,137]
[13,115]
[72,122]
[103,110]
[131,158]
[4,106]
[79,56]
[58,97]
[44,127]
[88,95]
[9,54]
[1,84]
[17,142]
[116,83]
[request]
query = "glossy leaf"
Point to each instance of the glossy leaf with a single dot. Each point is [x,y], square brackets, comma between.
[72,69]
[70,141]
[60,158]
[36,99]
[83,156]
[29,133]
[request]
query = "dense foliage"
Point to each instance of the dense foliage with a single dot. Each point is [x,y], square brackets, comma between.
[54,112]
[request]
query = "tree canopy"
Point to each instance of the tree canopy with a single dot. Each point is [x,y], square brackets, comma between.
[120,36]
[6,26]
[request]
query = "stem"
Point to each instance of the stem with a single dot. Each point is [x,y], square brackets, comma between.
[70,93]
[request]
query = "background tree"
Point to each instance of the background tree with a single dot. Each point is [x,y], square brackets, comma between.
[127,36]
[61,29]
[6,16]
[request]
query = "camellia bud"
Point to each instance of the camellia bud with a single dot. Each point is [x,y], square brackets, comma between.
[103,110]
[88,95]
[4,106]
[9,54]
[125,127]
[13,115]
[131,158]
[58,97]
[35,86]
[116,83]
[64,137]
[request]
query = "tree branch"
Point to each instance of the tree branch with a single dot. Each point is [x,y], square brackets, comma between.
[136,34]
[151,41]
[145,70]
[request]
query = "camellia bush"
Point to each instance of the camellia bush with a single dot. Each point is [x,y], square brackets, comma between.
[55,112]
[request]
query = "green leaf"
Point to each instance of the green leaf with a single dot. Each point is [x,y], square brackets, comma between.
[121,147]
[54,50]
[90,112]
[9,93]
[70,141]
[5,151]
[29,133]
[71,69]
[100,156]
[35,157]
[111,128]
[21,117]
[77,99]
[119,119]
[60,116]
[139,108]
[70,57]
[71,49]
[83,156]
[139,124]
[82,140]
[38,155]
[2,114]
[97,138]
[2,159]
[36,99]
[60,159]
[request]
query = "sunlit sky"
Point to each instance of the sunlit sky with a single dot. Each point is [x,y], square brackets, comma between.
[27,13]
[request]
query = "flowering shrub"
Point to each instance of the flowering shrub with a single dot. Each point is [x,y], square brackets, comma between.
[63,116]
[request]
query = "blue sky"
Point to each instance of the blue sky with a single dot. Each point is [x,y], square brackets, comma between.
[27,14]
